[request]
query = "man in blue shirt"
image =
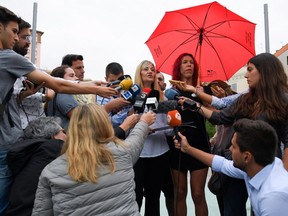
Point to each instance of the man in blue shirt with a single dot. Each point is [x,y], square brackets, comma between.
[253,150]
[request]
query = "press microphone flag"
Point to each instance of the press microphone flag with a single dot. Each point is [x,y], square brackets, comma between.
[135,90]
[139,104]
[131,94]
[152,100]
[146,91]
[124,84]
[174,120]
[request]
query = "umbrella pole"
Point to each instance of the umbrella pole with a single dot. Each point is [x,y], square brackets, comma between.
[201,30]
[199,68]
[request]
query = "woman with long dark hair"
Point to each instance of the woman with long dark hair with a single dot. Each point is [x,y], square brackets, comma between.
[266,100]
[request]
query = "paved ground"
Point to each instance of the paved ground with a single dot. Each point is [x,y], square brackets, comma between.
[210,198]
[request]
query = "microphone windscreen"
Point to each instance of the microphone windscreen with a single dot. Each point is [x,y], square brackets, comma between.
[146,91]
[125,84]
[174,118]
[166,106]
[172,94]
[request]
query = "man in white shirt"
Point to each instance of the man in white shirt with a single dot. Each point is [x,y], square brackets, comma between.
[253,150]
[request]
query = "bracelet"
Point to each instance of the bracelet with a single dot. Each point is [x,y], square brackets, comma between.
[197,93]
[199,105]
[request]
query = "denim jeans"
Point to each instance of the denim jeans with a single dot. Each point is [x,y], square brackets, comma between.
[5,181]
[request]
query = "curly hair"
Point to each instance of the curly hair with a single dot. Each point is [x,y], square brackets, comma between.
[43,127]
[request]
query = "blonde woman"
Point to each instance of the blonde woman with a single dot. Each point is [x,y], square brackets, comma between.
[95,174]
[152,168]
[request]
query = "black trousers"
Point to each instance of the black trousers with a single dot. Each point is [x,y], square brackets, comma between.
[234,198]
[150,175]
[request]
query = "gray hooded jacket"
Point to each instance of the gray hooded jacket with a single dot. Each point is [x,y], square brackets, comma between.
[113,194]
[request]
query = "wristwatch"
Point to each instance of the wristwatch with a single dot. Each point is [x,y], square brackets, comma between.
[43,98]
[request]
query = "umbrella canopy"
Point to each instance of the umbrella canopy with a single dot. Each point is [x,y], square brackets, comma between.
[221,41]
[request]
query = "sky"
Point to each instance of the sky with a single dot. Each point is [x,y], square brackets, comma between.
[116,30]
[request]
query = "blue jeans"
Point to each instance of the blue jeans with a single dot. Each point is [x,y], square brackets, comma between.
[5,181]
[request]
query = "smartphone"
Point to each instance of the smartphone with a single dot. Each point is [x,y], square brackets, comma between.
[207,90]
[29,84]
[174,82]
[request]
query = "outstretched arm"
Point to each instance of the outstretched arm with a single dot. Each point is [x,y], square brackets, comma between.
[207,113]
[65,86]
[202,156]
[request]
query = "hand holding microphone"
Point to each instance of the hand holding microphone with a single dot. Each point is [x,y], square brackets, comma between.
[148,117]
[130,122]
[181,144]
[173,94]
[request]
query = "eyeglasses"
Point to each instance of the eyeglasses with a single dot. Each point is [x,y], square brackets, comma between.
[28,38]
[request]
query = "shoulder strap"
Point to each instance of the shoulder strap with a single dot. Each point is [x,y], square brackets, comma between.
[3,105]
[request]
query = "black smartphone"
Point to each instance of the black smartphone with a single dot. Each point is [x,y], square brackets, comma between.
[29,84]
[207,90]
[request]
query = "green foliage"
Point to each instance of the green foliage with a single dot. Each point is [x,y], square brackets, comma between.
[210,129]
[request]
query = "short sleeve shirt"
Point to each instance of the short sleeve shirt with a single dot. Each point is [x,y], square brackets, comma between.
[12,66]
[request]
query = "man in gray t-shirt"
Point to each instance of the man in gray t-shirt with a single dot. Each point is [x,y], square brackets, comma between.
[13,66]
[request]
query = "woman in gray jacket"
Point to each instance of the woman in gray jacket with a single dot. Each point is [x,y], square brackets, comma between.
[95,174]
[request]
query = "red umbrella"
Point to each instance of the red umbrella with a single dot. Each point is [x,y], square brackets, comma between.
[221,41]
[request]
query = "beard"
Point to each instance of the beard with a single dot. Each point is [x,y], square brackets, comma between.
[21,50]
[239,166]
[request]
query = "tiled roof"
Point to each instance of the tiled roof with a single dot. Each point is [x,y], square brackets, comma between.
[281,51]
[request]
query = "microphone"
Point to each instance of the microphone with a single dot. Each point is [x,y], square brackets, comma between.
[174,120]
[152,100]
[130,94]
[166,106]
[139,104]
[125,84]
[140,100]
[172,94]
[190,104]
[119,80]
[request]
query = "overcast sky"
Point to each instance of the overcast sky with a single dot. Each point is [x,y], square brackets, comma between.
[116,30]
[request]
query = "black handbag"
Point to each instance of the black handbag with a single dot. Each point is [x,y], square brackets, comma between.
[216,183]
